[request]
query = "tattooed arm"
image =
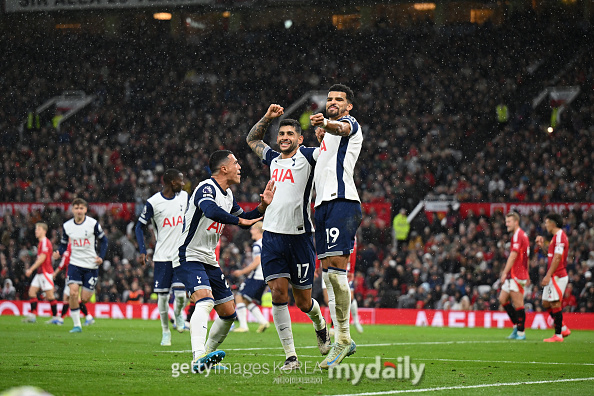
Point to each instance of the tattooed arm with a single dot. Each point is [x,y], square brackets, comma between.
[254,138]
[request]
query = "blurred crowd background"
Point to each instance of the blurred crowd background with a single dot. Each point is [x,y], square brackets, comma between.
[428,101]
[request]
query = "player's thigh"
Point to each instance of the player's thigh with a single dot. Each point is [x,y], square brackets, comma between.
[336,261]
[33,289]
[36,283]
[90,277]
[279,288]
[517,299]
[219,286]
[302,260]
[340,223]
[226,309]
[274,260]
[196,280]
[163,276]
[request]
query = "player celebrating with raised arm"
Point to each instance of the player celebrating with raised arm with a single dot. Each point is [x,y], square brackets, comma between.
[82,232]
[338,207]
[211,206]
[43,279]
[253,286]
[555,280]
[165,210]
[288,253]
[515,276]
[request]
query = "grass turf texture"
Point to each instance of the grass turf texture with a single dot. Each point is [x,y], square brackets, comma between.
[123,357]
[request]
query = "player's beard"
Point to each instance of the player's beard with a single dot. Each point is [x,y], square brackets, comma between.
[290,149]
[333,112]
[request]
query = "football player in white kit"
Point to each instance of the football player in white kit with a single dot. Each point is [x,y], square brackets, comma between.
[82,232]
[211,206]
[165,210]
[338,207]
[288,252]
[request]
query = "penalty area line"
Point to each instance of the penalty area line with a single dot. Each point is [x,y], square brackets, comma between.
[393,392]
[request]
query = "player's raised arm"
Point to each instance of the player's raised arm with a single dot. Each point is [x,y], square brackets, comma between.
[256,134]
[339,128]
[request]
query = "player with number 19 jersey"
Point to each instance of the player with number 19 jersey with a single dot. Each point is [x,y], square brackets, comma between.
[338,207]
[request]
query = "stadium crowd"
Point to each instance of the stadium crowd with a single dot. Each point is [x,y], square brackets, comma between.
[452,263]
[162,103]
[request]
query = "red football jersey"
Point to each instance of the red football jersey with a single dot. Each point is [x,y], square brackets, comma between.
[559,245]
[65,258]
[45,247]
[521,246]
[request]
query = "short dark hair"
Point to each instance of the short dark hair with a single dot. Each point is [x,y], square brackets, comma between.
[350,96]
[170,175]
[80,201]
[291,122]
[217,159]
[556,218]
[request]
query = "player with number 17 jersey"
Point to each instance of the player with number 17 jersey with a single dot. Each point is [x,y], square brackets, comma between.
[288,229]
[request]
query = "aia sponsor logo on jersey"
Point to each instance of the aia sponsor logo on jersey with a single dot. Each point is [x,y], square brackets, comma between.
[81,242]
[285,175]
[216,227]
[174,221]
[323,146]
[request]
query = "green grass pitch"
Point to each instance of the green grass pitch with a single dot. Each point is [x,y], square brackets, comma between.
[123,357]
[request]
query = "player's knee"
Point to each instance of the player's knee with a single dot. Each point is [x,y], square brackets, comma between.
[303,305]
[279,296]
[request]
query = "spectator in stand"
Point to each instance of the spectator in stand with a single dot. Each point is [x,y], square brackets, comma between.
[8,291]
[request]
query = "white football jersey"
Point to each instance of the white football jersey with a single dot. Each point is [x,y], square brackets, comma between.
[82,238]
[167,217]
[290,210]
[333,176]
[257,274]
[200,234]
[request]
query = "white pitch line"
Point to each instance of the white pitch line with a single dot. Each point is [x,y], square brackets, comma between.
[393,392]
[364,345]
[444,360]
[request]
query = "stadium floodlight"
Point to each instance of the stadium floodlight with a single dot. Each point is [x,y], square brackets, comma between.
[162,16]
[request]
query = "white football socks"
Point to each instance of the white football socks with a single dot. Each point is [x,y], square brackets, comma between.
[179,302]
[315,314]
[342,294]
[75,314]
[218,332]
[282,321]
[255,310]
[199,326]
[331,298]
[355,310]
[163,306]
[242,315]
